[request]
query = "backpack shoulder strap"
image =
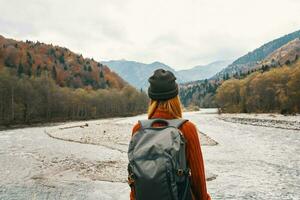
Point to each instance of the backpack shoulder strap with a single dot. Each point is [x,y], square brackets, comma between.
[176,122]
[146,123]
[169,122]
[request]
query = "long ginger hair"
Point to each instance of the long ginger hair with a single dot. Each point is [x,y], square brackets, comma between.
[172,106]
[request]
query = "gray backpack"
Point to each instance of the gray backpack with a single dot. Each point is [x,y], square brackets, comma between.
[157,163]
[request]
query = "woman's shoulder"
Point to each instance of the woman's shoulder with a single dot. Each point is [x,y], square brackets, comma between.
[136,127]
[190,131]
[188,125]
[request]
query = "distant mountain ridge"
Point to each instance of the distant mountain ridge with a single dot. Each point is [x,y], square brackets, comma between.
[202,72]
[202,92]
[251,59]
[137,73]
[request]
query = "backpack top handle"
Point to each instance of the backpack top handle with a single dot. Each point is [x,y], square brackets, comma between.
[147,124]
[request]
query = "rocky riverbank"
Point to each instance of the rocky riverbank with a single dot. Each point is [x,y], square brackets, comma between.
[291,122]
[74,160]
[87,159]
[113,134]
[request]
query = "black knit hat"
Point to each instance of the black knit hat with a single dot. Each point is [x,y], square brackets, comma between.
[162,85]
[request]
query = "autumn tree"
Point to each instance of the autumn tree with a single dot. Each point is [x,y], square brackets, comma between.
[276,90]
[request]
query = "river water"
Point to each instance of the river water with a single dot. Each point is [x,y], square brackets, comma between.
[251,162]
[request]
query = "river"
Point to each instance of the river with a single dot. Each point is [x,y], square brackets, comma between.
[250,162]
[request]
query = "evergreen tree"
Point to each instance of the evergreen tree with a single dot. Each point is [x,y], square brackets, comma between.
[38,71]
[61,59]
[20,70]
[29,59]
[54,73]
[101,75]
[52,52]
[29,72]
[8,62]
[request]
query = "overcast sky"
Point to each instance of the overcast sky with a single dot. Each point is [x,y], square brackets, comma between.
[180,33]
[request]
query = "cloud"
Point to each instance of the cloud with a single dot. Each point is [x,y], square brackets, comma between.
[179,33]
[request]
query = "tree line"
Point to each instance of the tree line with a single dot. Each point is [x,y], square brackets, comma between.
[275,90]
[26,99]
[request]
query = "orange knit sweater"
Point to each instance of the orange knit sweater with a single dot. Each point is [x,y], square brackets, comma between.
[193,155]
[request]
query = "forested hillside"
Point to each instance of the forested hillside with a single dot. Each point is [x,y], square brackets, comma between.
[202,93]
[42,83]
[276,90]
[65,67]
[199,93]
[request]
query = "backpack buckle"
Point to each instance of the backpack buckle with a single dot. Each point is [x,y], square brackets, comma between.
[180,172]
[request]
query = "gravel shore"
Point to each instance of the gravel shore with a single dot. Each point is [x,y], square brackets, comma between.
[113,134]
[88,159]
[291,122]
[72,160]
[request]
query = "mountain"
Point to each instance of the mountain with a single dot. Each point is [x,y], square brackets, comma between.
[202,72]
[286,54]
[43,83]
[68,69]
[137,73]
[202,92]
[250,60]
[270,89]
